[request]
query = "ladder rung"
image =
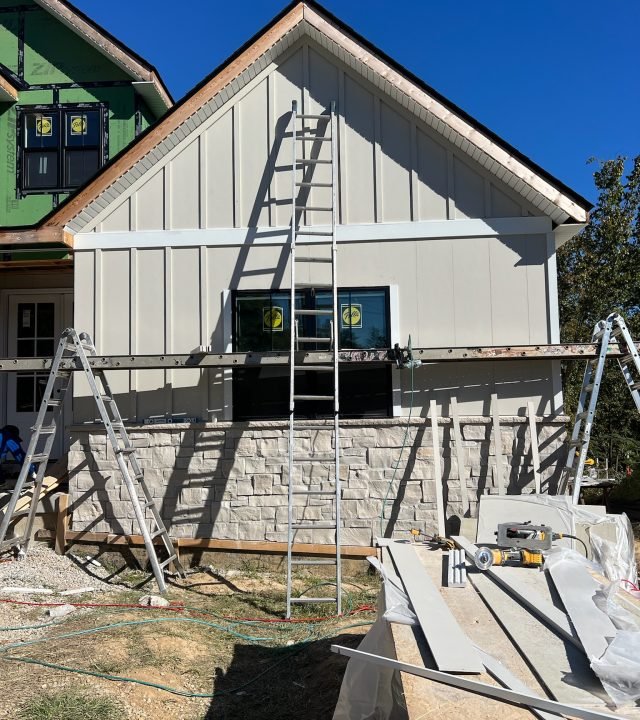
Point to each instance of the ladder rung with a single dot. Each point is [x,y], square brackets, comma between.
[319,457]
[314,286]
[635,386]
[312,138]
[317,368]
[313,184]
[126,450]
[318,526]
[300,258]
[313,339]
[313,208]
[38,458]
[325,493]
[313,312]
[312,161]
[158,533]
[313,397]
[54,402]
[313,117]
[302,601]
[166,562]
[107,398]
[575,443]
[313,562]
[319,233]
[47,430]
[146,505]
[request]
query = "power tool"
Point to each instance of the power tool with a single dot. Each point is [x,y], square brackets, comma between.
[518,544]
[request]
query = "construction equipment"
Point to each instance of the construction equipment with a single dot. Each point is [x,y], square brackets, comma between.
[80,346]
[613,328]
[308,139]
[520,544]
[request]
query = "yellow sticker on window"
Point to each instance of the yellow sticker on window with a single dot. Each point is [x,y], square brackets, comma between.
[351,316]
[272,319]
[78,124]
[44,126]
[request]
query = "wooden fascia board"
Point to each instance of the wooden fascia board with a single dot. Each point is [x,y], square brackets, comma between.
[35,236]
[173,120]
[104,45]
[460,126]
[8,92]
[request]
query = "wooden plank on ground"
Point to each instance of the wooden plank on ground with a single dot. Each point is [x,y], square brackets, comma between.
[457,436]
[576,588]
[451,648]
[535,452]
[437,468]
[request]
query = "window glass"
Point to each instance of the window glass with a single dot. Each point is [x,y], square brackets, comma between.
[82,128]
[80,165]
[61,148]
[42,130]
[45,319]
[26,320]
[24,393]
[262,323]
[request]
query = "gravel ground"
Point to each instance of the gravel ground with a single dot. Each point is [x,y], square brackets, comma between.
[42,568]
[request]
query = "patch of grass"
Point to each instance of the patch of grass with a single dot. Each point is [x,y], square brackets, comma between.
[70,705]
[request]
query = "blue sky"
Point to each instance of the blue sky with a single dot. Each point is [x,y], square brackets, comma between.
[558,79]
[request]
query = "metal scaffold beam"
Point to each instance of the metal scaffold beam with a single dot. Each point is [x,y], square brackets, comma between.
[204,360]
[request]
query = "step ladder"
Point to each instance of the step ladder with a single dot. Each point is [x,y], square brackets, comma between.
[76,348]
[613,328]
[309,135]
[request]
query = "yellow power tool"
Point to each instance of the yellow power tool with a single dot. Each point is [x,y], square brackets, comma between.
[486,557]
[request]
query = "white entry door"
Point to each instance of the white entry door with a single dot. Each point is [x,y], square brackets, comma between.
[35,324]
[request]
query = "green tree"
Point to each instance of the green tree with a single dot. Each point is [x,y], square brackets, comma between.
[599,273]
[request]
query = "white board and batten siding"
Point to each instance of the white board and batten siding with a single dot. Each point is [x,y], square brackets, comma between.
[152,270]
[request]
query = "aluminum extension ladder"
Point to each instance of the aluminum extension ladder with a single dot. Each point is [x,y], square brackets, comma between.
[613,328]
[308,139]
[76,347]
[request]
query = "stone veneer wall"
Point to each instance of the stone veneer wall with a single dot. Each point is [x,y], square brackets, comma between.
[229,480]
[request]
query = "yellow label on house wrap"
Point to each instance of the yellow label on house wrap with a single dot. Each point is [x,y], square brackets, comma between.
[44,126]
[78,124]
[272,319]
[351,316]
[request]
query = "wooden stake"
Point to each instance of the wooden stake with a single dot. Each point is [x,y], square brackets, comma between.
[497,442]
[437,467]
[535,454]
[62,523]
[457,436]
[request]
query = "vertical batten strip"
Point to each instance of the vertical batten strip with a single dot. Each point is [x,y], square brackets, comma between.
[437,468]
[451,188]
[202,180]
[168,330]
[133,331]
[98,304]
[235,163]
[377,161]
[272,190]
[342,152]
[414,210]
[166,196]
[497,443]
[205,375]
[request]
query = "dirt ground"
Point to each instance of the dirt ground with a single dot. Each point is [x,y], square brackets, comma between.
[252,669]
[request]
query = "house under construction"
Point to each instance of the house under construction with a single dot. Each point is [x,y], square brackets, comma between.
[411,220]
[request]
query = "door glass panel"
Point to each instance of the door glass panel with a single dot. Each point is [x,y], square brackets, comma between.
[26,320]
[26,348]
[45,320]
[44,348]
[24,392]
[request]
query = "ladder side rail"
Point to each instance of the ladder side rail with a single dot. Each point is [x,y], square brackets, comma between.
[293,321]
[629,350]
[591,409]
[108,422]
[336,347]
[32,447]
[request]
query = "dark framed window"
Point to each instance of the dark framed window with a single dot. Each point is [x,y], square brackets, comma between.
[35,338]
[60,147]
[262,322]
